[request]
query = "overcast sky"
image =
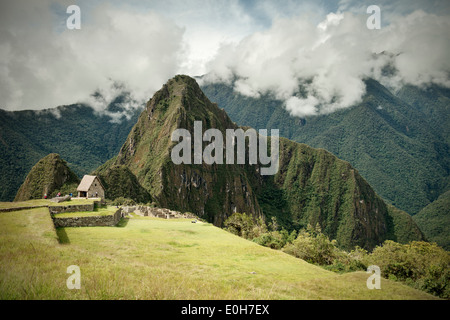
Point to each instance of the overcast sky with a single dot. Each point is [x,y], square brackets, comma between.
[272,46]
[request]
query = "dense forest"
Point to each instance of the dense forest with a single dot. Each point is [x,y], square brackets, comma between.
[81,136]
[400,144]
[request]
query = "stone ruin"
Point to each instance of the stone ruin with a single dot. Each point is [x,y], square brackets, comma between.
[163,213]
[60,199]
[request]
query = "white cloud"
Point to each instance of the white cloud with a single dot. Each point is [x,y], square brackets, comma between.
[330,60]
[270,47]
[138,43]
[326,60]
[422,42]
[45,66]
[302,107]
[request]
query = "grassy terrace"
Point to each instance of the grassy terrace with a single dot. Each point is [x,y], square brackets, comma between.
[31,203]
[74,202]
[149,258]
[44,202]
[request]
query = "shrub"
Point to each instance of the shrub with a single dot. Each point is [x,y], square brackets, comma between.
[357,259]
[270,239]
[314,247]
[121,201]
[245,226]
[436,281]
[420,264]
[256,230]
[276,239]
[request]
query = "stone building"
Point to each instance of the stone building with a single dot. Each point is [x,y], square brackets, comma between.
[91,187]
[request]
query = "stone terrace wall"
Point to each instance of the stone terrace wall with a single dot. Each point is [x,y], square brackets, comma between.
[91,221]
[71,208]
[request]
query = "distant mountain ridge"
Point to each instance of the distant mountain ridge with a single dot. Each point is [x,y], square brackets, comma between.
[434,221]
[399,143]
[81,136]
[312,186]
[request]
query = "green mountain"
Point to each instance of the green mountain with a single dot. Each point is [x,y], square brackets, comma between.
[49,176]
[312,186]
[119,181]
[209,191]
[399,143]
[434,220]
[81,136]
[434,103]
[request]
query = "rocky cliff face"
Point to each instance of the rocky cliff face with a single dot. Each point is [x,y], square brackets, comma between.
[211,191]
[49,176]
[311,186]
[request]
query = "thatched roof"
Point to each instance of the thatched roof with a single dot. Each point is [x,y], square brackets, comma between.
[86,183]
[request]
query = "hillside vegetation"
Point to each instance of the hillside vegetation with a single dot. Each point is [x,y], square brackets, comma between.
[49,176]
[148,258]
[81,136]
[399,144]
[434,221]
[419,264]
[311,186]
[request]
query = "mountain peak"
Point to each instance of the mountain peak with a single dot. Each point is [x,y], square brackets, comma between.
[49,176]
[312,186]
[182,95]
[178,86]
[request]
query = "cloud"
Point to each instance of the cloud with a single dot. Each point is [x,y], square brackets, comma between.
[140,44]
[320,68]
[208,24]
[421,43]
[314,61]
[117,102]
[45,65]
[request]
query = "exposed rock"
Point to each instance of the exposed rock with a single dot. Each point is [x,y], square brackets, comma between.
[90,221]
[61,199]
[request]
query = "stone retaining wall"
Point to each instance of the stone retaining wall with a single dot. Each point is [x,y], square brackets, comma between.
[91,221]
[71,208]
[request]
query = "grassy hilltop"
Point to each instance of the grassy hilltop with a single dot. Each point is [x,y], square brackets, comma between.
[149,258]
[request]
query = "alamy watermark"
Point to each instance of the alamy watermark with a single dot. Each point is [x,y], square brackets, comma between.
[235,139]
[374,21]
[74,281]
[74,20]
[374,281]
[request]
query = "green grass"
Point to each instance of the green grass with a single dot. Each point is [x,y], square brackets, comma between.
[149,258]
[23,204]
[74,202]
[44,202]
